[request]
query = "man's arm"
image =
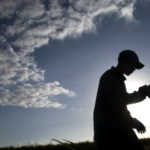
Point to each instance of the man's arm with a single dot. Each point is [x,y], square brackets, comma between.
[138,96]
[123,97]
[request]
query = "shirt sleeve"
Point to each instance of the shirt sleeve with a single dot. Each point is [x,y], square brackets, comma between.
[134,97]
[128,98]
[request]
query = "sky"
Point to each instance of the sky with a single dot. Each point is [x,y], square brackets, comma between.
[52,54]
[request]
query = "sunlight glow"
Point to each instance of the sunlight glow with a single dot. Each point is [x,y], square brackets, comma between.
[139,110]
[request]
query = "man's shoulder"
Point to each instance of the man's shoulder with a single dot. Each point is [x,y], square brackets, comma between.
[108,78]
[112,74]
[108,73]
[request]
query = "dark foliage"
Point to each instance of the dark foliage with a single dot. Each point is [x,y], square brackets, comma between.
[65,146]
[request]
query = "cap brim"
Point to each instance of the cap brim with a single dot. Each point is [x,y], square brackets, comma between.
[139,65]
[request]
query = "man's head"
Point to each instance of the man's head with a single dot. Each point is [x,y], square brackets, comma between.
[129,61]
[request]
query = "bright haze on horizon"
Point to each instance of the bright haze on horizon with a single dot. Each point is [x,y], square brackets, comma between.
[52,54]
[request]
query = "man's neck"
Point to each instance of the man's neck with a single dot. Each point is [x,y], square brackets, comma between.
[119,69]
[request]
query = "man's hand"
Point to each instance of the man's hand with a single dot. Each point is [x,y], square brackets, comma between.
[139,126]
[144,91]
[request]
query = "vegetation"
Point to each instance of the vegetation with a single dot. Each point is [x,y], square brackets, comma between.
[67,145]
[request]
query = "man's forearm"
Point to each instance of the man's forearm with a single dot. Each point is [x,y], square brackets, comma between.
[135,97]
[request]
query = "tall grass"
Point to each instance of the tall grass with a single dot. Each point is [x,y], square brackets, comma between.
[65,145]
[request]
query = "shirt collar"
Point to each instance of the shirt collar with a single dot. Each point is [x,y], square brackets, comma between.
[119,74]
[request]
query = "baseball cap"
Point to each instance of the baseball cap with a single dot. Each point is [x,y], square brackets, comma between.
[130,57]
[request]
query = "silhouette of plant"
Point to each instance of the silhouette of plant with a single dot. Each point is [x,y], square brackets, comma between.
[69,144]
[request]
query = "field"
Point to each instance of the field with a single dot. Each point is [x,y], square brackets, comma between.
[67,146]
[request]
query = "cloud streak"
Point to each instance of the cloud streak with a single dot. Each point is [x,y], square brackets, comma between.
[27,25]
[30,95]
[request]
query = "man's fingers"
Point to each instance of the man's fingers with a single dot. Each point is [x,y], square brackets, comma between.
[141,131]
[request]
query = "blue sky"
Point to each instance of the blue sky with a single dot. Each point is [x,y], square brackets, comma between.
[52,54]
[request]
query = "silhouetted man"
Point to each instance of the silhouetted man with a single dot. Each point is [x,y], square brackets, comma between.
[113,124]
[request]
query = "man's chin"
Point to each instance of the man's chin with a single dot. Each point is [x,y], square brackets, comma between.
[127,73]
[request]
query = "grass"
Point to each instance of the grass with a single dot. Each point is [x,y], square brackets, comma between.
[67,145]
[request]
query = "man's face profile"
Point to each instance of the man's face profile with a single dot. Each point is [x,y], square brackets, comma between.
[129,68]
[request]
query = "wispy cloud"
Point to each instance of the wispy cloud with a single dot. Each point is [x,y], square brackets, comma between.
[27,25]
[30,95]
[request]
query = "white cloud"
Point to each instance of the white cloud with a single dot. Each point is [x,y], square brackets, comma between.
[16,73]
[7,8]
[15,69]
[29,95]
[127,10]
[31,9]
[27,25]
